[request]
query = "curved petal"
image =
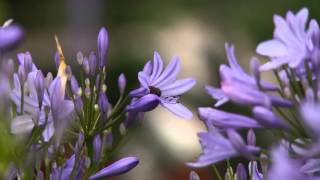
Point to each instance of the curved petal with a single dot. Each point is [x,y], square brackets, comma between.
[143,79]
[178,109]
[169,74]
[272,48]
[157,66]
[22,124]
[177,88]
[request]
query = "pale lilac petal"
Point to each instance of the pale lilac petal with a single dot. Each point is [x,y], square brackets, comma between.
[157,67]
[22,124]
[169,74]
[117,168]
[178,109]
[139,92]
[272,48]
[48,132]
[217,94]
[311,166]
[143,79]
[177,88]
[147,69]
[256,175]
[144,104]
[233,62]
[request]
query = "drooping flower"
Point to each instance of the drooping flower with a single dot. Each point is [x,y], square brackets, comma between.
[159,86]
[217,147]
[291,43]
[117,168]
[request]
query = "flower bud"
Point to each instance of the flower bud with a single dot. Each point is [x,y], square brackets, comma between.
[21,74]
[241,172]
[122,83]
[57,59]
[103,39]
[78,106]
[97,145]
[48,80]
[80,58]
[27,63]
[68,72]
[119,167]
[85,66]
[193,176]
[92,63]
[74,85]
[40,86]
[103,105]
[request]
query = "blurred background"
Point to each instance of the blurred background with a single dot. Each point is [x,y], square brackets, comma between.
[196,30]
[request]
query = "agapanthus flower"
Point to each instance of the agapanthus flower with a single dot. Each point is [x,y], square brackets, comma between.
[10,36]
[242,88]
[53,98]
[291,43]
[160,86]
[216,147]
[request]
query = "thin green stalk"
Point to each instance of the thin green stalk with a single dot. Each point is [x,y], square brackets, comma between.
[216,172]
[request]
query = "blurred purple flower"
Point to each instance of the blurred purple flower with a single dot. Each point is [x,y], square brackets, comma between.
[162,87]
[241,172]
[10,37]
[256,175]
[291,43]
[310,111]
[216,147]
[117,168]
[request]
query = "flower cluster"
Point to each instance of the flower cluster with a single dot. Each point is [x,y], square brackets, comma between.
[64,126]
[288,109]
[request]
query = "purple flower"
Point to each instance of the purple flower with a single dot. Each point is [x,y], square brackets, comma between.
[226,120]
[310,112]
[97,146]
[103,42]
[163,86]
[284,167]
[256,175]
[63,172]
[117,168]
[241,87]
[10,37]
[291,43]
[216,147]
[241,172]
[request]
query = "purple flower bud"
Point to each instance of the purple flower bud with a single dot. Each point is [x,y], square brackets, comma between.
[97,145]
[144,104]
[92,63]
[241,172]
[122,82]
[251,137]
[85,65]
[21,74]
[27,62]
[78,106]
[79,143]
[267,118]
[193,176]
[68,72]
[48,80]
[57,59]
[40,86]
[103,41]
[103,105]
[108,140]
[10,37]
[9,67]
[74,85]
[80,57]
[117,168]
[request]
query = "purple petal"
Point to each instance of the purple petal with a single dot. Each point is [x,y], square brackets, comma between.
[117,168]
[143,79]
[217,94]
[139,92]
[178,109]
[144,104]
[267,118]
[157,67]
[272,48]
[169,74]
[177,88]
[223,119]
[256,175]
[10,37]
[22,124]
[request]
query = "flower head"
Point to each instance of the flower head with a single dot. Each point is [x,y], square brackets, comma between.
[162,87]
